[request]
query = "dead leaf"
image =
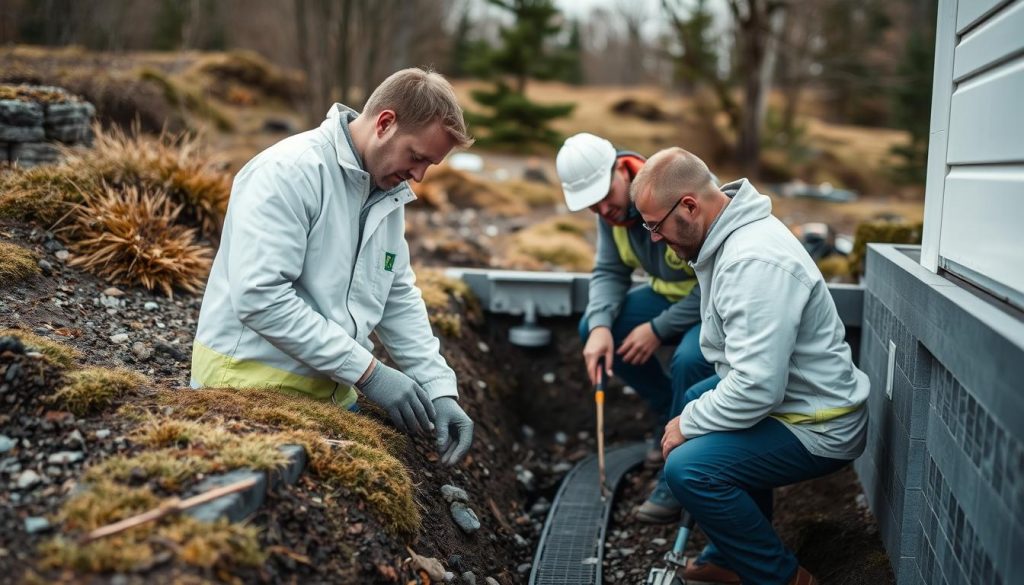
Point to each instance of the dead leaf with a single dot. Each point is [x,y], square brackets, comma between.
[432,566]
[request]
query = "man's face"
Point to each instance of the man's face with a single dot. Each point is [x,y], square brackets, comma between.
[614,208]
[394,156]
[681,229]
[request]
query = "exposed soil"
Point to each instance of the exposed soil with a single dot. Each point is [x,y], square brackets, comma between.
[534,415]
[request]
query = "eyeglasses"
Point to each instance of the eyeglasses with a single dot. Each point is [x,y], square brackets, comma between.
[656,228]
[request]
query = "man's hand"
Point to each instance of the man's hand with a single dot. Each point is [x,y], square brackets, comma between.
[639,345]
[450,414]
[404,400]
[672,438]
[599,345]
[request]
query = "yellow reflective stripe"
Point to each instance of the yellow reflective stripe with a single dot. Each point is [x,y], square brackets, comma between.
[214,369]
[626,252]
[673,291]
[819,416]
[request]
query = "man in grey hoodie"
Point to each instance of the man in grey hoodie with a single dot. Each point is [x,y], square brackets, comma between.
[786,402]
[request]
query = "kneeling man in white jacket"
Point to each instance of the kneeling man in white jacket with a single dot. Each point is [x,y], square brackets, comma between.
[313,258]
[786,401]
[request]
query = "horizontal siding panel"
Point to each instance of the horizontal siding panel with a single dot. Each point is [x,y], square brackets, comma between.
[985,120]
[969,12]
[996,39]
[981,222]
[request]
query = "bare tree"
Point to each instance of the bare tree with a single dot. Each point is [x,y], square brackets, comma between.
[758,25]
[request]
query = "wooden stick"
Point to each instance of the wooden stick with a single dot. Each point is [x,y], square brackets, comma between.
[599,399]
[171,506]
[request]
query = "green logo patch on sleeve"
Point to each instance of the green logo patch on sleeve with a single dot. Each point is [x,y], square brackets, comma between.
[389,261]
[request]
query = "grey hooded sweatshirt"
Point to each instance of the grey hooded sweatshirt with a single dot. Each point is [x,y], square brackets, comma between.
[770,327]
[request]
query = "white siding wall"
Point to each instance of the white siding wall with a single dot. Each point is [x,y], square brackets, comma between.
[974,209]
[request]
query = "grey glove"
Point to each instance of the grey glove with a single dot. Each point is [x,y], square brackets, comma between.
[450,414]
[404,400]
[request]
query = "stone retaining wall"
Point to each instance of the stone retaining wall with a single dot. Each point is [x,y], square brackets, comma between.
[34,120]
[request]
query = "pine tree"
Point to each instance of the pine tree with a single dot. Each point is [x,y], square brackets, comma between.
[525,53]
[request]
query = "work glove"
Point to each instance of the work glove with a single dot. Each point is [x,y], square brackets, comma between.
[454,430]
[404,400]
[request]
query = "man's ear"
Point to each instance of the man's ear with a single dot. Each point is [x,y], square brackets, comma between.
[690,203]
[385,122]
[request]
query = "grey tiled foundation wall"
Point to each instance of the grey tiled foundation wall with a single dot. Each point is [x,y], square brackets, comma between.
[944,465]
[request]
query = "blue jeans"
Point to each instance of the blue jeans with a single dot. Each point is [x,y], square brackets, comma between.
[725,480]
[688,364]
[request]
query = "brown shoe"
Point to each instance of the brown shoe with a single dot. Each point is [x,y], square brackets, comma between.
[708,574]
[803,577]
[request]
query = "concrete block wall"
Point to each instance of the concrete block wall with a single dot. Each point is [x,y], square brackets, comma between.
[34,120]
[944,465]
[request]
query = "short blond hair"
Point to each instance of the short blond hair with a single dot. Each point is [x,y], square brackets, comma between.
[419,97]
[671,172]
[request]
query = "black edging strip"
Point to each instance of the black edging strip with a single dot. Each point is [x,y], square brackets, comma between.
[571,547]
[239,505]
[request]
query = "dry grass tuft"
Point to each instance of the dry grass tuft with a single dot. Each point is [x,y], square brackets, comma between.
[445,187]
[372,474]
[94,389]
[56,353]
[273,408]
[228,71]
[16,263]
[438,289]
[560,242]
[173,164]
[534,194]
[131,237]
[205,545]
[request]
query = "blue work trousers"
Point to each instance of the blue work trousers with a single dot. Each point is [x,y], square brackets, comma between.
[649,379]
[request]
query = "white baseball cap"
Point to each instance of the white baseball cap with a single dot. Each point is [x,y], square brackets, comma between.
[584,166]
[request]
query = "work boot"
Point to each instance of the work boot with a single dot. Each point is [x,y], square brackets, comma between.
[803,577]
[661,506]
[697,573]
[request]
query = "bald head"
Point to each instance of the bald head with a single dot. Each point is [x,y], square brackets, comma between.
[678,200]
[670,173]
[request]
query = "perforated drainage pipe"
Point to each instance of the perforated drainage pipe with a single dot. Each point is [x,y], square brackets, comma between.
[571,548]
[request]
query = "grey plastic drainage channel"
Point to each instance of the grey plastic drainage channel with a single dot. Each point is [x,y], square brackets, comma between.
[571,547]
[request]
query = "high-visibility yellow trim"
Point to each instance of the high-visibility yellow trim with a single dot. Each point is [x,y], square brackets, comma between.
[671,290]
[819,416]
[621,237]
[214,369]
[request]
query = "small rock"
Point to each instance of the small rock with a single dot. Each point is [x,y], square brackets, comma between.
[620,575]
[561,467]
[62,255]
[528,432]
[520,541]
[481,384]
[583,435]
[45,266]
[141,351]
[465,517]
[525,477]
[540,507]
[469,578]
[549,378]
[491,581]
[482,347]
[119,338]
[34,524]
[491,231]
[451,493]
[65,457]
[113,292]
[6,443]
[102,434]
[524,568]
[629,391]
[625,552]
[27,479]
[448,576]
[110,303]
[150,306]
[561,438]
[659,542]
[75,436]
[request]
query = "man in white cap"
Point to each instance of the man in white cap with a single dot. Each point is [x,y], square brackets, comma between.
[625,327]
